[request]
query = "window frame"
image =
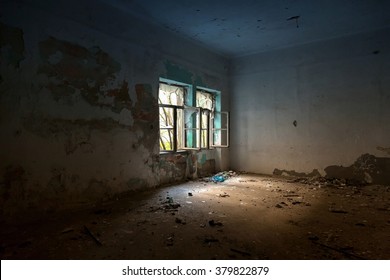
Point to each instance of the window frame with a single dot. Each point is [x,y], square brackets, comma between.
[180,141]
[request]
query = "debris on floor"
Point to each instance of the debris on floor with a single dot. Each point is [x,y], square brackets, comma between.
[170,240]
[240,252]
[167,206]
[337,210]
[210,239]
[269,220]
[221,176]
[179,221]
[326,182]
[223,195]
[213,223]
[88,232]
[67,230]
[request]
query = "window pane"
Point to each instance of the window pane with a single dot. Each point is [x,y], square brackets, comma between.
[171,95]
[180,129]
[166,117]
[191,122]
[220,130]
[191,127]
[166,139]
[220,138]
[166,129]
[204,139]
[204,100]
[205,119]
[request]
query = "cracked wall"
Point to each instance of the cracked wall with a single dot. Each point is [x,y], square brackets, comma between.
[79,111]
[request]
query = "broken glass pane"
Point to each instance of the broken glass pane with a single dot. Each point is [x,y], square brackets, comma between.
[204,100]
[171,95]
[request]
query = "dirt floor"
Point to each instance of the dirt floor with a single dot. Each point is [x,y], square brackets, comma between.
[245,217]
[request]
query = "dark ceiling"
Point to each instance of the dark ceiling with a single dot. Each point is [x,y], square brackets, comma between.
[237,28]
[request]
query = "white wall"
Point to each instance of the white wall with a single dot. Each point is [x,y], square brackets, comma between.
[337,91]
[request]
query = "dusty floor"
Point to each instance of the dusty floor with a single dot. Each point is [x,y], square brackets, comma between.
[245,217]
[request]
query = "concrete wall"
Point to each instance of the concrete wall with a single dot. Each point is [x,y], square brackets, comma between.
[323,106]
[78,104]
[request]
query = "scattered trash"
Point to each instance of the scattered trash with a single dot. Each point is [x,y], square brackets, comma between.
[210,239]
[168,206]
[179,221]
[313,237]
[224,195]
[343,250]
[240,252]
[336,210]
[328,182]
[67,230]
[217,179]
[170,240]
[88,232]
[221,176]
[292,222]
[142,222]
[213,223]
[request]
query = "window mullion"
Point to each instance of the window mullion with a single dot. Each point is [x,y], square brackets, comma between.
[175,129]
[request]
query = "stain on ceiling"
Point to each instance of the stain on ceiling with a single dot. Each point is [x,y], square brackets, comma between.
[237,28]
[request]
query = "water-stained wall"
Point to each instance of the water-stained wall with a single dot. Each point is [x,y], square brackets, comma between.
[78,97]
[320,108]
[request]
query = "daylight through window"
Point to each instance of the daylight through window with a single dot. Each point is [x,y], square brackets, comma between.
[189,121]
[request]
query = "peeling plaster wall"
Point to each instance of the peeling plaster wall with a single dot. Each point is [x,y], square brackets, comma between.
[78,104]
[302,109]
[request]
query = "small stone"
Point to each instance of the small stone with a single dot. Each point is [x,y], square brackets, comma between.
[278,206]
[313,237]
[190,194]
[213,223]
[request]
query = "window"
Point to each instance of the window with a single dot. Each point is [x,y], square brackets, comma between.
[171,104]
[206,102]
[186,127]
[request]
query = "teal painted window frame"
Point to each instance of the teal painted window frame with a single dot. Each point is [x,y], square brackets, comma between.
[186,129]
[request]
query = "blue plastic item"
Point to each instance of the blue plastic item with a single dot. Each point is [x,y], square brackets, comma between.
[217,178]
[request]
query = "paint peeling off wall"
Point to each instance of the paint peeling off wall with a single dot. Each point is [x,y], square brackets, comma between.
[385,150]
[90,72]
[186,165]
[145,115]
[79,112]
[367,169]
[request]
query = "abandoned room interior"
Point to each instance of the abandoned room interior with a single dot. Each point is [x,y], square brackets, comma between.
[195,129]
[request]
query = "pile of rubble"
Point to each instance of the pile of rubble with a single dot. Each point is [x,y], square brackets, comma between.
[327,182]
